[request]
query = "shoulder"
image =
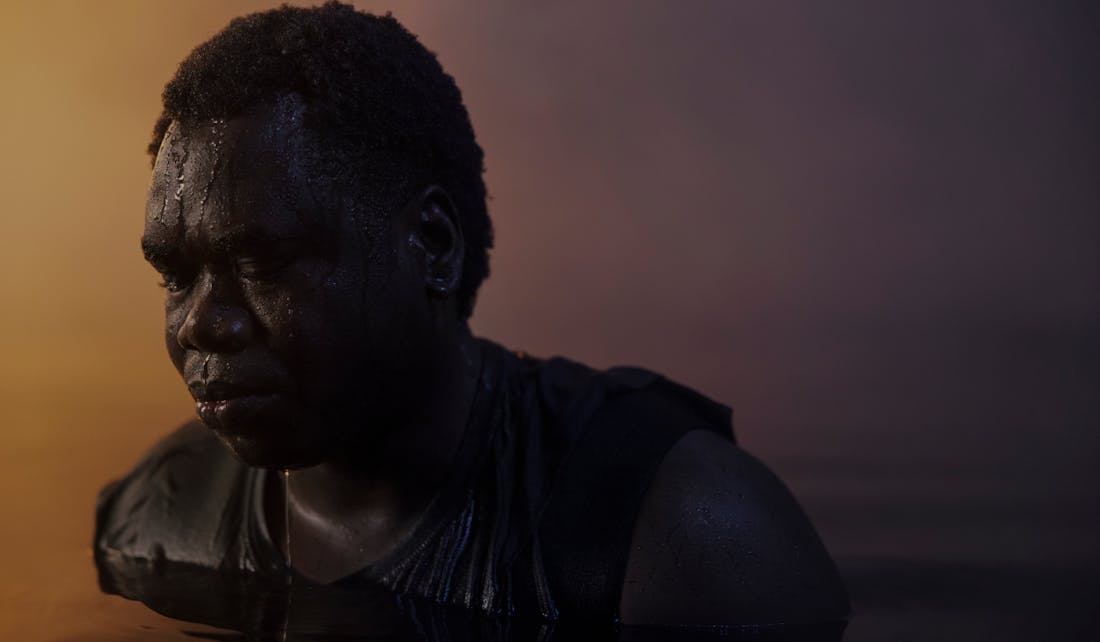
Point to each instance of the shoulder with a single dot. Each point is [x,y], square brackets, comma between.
[167,507]
[720,540]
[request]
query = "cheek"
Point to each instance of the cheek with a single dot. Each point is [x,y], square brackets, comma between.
[288,323]
[173,318]
[284,312]
[331,334]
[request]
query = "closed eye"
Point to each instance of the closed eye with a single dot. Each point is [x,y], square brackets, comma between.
[172,282]
[262,268]
[174,277]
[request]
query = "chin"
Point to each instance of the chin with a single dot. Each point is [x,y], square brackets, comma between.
[266,452]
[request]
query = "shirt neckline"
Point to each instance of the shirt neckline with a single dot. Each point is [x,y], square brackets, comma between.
[444,506]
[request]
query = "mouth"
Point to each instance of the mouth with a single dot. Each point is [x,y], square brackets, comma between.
[215,391]
[234,408]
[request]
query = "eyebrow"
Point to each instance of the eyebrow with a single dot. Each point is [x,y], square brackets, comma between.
[245,237]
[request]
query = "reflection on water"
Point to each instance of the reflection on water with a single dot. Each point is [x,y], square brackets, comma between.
[257,608]
[927,554]
[893,599]
[906,600]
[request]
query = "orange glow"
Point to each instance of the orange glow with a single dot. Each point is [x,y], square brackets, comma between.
[869,229]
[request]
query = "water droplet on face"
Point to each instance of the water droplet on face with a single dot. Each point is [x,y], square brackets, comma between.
[217,132]
[166,176]
[179,177]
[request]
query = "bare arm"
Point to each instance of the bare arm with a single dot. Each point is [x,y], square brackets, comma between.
[720,540]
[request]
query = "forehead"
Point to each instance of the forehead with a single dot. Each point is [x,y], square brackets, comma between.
[217,181]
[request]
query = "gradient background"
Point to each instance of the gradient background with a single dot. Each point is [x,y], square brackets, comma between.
[871,228]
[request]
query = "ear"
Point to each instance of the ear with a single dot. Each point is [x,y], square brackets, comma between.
[435,231]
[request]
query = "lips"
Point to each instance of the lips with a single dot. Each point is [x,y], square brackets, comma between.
[235,408]
[214,391]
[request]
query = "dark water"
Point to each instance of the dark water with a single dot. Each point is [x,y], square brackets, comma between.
[893,600]
[928,552]
[906,600]
[248,608]
[979,559]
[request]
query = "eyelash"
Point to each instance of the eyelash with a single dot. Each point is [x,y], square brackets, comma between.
[171,284]
[261,269]
[255,270]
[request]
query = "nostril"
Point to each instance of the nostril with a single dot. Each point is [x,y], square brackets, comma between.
[234,329]
[215,327]
[237,326]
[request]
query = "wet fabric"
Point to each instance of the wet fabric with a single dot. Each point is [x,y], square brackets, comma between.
[536,520]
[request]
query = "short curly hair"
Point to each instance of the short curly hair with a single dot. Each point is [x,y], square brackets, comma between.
[380,102]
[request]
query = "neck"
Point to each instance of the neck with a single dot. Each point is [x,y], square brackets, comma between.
[392,479]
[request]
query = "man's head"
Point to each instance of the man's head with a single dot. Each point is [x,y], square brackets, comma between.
[318,213]
[390,119]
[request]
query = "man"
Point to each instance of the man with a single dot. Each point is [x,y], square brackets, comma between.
[317,212]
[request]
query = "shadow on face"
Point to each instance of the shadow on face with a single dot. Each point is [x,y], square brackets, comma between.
[294,331]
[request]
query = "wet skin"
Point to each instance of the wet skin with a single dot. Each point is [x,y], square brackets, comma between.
[309,337]
[318,336]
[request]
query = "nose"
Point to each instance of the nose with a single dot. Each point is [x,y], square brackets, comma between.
[217,321]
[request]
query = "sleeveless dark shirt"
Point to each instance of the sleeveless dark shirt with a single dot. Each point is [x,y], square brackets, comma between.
[537,519]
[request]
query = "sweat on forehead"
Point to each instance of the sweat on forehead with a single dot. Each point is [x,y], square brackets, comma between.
[389,120]
[248,177]
[268,143]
